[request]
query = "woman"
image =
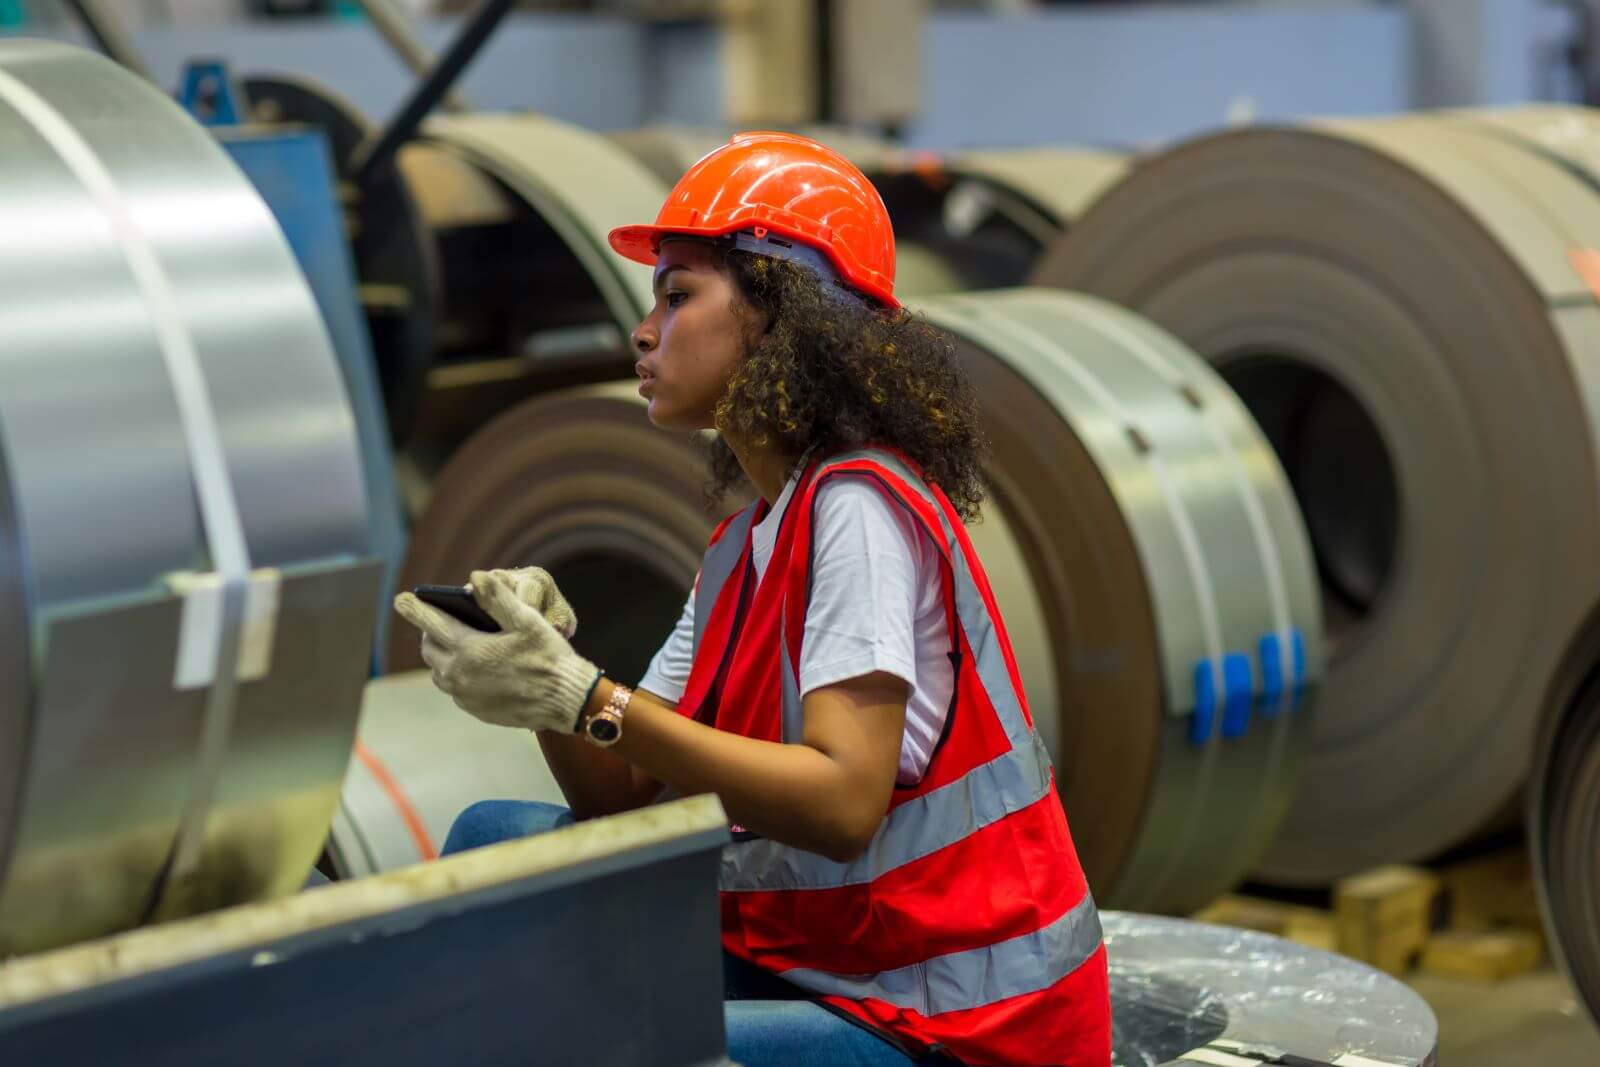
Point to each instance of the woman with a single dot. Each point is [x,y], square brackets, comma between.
[901,875]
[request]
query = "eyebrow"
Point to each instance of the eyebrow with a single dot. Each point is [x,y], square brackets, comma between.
[661,276]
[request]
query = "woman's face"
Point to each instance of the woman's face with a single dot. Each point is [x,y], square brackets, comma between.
[690,343]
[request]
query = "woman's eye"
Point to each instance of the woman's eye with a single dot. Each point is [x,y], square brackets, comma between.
[675,298]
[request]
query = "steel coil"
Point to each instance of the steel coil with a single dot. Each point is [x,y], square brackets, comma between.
[1563,817]
[186,628]
[1152,568]
[1141,539]
[1403,305]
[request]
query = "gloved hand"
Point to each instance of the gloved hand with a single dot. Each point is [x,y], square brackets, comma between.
[535,588]
[527,676]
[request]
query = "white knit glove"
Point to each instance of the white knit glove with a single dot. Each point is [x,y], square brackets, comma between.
[535,588]
[526,676]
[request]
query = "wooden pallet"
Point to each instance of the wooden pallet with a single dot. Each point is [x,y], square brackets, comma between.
[1478,918]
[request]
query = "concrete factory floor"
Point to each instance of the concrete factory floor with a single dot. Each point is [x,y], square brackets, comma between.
[1528,1020]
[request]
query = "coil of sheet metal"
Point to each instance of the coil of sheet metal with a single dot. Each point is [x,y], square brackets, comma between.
[1402,305]
[1141,539]
[187,616]
[1563,817]
[965,220]
[1192,993]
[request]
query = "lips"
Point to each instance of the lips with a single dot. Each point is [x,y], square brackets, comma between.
[646,387]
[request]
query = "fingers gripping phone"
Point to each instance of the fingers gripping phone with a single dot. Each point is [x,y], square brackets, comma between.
[458,602]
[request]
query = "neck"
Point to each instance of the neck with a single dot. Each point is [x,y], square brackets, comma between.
[767,469]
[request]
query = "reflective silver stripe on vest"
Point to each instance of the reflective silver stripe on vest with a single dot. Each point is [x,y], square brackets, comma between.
[717,567]
[977,977]
[794,714]
[919,827]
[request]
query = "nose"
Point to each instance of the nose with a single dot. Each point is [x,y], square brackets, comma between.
[644,337]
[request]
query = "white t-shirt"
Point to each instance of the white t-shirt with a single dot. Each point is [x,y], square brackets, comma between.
[875,606]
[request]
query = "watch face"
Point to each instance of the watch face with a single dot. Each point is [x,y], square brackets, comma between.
[604,730]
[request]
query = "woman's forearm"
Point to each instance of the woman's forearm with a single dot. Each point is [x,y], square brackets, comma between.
[594,781]
[793,793]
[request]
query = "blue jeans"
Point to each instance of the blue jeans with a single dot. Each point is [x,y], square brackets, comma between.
[762,1032]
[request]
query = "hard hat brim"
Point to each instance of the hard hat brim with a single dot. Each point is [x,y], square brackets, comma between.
[642,244]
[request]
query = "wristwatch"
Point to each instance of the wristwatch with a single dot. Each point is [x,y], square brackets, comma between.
[604,727]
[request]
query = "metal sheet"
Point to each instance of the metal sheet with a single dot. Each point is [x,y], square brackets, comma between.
[110,193]
[1189,993]
[1083,540]
[1398,303]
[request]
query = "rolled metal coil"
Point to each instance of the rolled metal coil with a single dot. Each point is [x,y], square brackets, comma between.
[1406,308]
[170,406]
[1156,583]
[1563,818]
[1141,539]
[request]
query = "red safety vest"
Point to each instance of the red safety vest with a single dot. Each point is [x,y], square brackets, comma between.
[966,925]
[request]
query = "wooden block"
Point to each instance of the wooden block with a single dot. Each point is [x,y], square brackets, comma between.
[1486,956]
[1313,929]
[1303,926]
[1384,916]
[1491,892]
[1246,913]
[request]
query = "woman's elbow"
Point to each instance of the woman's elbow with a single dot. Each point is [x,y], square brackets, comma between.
[851,835]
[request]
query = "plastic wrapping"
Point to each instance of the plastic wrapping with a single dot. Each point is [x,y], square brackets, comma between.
[1179,986]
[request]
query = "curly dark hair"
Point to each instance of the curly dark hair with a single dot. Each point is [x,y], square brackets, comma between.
[835,374]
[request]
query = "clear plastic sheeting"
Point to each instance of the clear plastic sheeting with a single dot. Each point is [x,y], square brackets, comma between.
[1193,992]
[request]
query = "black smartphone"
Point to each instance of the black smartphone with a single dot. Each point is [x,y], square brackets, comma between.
[458,602]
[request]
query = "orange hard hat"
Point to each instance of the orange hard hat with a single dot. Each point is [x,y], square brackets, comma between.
[772,189]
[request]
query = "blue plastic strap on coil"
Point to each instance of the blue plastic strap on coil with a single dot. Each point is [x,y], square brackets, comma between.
[1269,652]
[1299,650]
[1273,683]
[1204,719]
[1238,693]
